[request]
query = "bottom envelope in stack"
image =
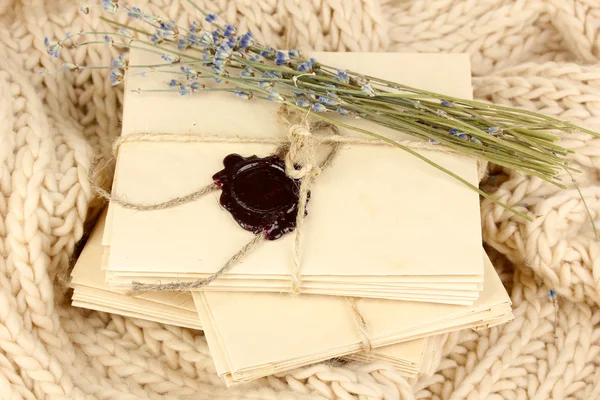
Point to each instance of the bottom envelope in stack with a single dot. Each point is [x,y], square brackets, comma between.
[91,291]
[252,335]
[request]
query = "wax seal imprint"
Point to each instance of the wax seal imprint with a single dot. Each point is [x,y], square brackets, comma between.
[258,194]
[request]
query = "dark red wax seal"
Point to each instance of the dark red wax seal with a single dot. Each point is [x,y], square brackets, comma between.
[258,194]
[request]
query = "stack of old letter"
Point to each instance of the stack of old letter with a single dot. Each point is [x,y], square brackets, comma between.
[391,252]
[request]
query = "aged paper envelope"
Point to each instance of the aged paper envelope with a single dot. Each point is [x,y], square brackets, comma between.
[91,290]
[316,325]
[362,205]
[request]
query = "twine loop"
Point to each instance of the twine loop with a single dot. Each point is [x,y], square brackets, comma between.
[300,159]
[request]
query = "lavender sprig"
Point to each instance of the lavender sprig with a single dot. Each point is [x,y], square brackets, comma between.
[517,139]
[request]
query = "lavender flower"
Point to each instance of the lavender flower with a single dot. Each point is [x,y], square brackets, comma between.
[446,103]
[155,39]
[135,13]
[116,77]
[305,67]
[311,94]
[170,58]
[368,89]
[275,96]
[190,74]
[125,32]
[327,100]
[442,113]
[243,95]
[216,35]
[282,58]
[318,107]
[183,44]
[168,29]
[195,26]
[206,38]
[229,31]
[223,54]
[342,76]
[269,53]
[188,89]
[246,41]
[232,42]
[110,5]
[343,111]
[211,18]
[219,69]
[53,48]
[120,62]
[494,130]
[272,75]
[302,103]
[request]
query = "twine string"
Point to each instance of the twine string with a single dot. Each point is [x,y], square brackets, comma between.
[363,328]
[139,287]
[300,163]
[299,151]
[325,139]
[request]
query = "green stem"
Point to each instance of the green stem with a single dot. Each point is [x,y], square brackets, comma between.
[483,105]
[128,46]
[464,148]
[131,28]
[587,209]
[416,154]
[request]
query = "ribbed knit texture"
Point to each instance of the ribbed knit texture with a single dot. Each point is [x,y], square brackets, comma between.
[537,54]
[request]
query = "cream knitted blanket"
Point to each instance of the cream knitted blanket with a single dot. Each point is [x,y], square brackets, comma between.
[538,54]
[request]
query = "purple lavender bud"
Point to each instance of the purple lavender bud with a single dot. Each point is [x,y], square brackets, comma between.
[318,107]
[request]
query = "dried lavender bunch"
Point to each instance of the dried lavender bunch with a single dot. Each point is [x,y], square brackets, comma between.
[517,139]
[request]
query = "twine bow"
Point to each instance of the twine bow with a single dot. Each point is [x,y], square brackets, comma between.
[301,163]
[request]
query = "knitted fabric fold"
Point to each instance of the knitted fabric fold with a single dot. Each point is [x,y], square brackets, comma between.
[539,54]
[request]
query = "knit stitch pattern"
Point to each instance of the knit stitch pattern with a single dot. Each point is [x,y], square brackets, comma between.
[537,54]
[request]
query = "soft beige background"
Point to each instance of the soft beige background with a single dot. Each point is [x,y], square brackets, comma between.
[539,54]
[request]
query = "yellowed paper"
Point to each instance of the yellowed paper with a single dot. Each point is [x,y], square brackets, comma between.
[363,226]
[91,290]
[318,324]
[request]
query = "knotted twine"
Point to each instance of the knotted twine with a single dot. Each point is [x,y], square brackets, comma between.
[299,152]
